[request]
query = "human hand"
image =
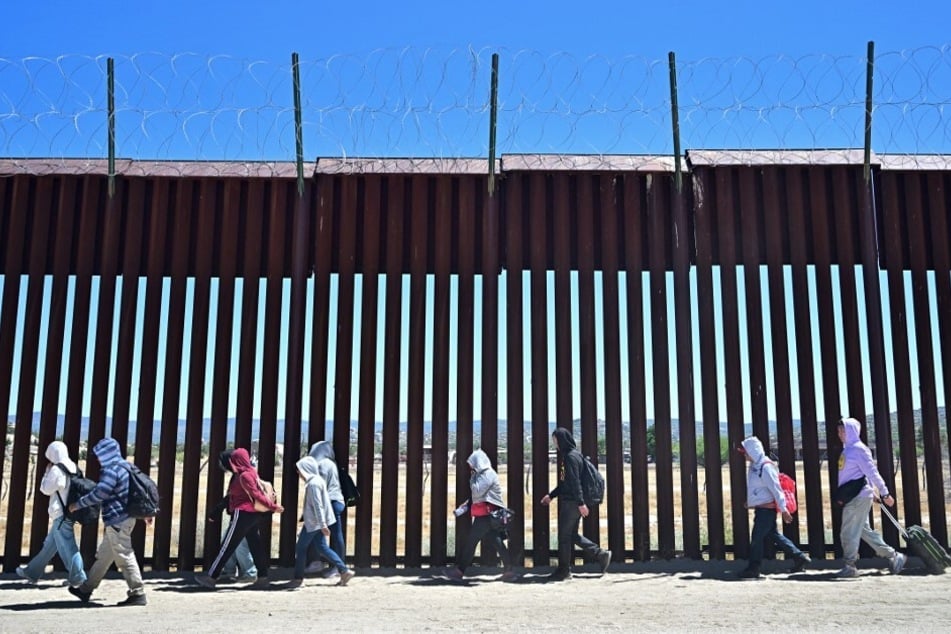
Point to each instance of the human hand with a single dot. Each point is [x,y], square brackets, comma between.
[325,531]
[278,509]
[73,507]
[888,500]
[545,501]
[583,509]
[787,517]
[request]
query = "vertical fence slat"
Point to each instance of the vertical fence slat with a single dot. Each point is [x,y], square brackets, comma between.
[562,227]
[941,261]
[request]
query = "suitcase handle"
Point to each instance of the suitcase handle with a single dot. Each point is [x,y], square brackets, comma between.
[888,514]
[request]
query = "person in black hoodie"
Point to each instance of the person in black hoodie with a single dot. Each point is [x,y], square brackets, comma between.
[571,508]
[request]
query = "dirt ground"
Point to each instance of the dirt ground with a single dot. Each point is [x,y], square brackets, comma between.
[656,596]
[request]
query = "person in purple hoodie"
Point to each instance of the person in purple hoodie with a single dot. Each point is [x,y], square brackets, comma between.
[859,473]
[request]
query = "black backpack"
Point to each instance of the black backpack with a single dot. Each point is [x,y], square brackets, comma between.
[592,483]
[143,500]
[351,494]
[78,487]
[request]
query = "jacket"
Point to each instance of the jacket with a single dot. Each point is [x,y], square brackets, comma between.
[323,453]
[569,472]
[484,485]
[762,478]
[856,461]
[317,512]
[112,490]
[224,463]
[243,490]
[55,483]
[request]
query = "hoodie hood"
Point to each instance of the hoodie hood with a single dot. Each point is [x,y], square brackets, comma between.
[853,430]
[564,440]
[479,461]
[224,460]
[321,450]
[754,448]
[308,467]
[241,460]
[107,452]
[57,453]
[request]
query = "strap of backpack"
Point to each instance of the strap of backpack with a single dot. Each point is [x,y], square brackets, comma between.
[68,475]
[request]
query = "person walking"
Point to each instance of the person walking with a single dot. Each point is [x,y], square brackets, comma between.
[486,498]
[858,473]
[323,453]
[61,538]
[112,492]
[240,566]
[765,496]
[318,518]
[571,508]
[243,492]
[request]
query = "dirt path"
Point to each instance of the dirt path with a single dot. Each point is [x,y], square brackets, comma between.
[662,596]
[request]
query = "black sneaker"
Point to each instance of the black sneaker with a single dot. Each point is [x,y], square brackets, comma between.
[750,573]
[559,575]
[77,592]
[604,560]
[800,562]
[133,599]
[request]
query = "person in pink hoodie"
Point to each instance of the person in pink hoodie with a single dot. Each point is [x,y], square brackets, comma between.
[858,473]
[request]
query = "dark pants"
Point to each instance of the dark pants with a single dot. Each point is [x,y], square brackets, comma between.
[482,528]
[244,525]
[764,528]
[568,536]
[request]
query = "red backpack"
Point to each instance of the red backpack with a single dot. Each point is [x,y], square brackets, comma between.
[788,485]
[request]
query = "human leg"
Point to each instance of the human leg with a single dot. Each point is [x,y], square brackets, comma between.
[568,517]
[304,541]
[764,523]
[125,556]
[240,525]
[337,540]
[36,567]
[480,527]
[100,566]
[262,559]
[854,520]
[65,537]
[323,547]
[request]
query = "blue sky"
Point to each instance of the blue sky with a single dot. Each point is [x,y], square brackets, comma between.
[271,31]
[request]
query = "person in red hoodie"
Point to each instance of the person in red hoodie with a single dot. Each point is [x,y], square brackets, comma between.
[243,492]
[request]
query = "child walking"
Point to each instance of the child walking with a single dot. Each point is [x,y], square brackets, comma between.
[319,516]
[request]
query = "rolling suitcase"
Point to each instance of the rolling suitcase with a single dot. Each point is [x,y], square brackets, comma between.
[922,544]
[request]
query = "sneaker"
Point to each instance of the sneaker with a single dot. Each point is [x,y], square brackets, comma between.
[330,573]
[206,581]
[78,592]
[345,576]
[453,573]
[21,572]
[133,599]
[604,560]
[316,566]
[509,576]
[294,584]
[559,575]
[898,563]
[848,572]
[263,583]
[247,579]
[749,573]
[800,562]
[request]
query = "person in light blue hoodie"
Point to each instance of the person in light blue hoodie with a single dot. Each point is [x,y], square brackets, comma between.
[112,492]
[856,465]
[765,496]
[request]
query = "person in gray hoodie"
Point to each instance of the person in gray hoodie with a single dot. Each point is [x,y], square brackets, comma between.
[318,518]
[766,498]
[323,453]
[112,491]
[486,497]
[857,465]
[61,538]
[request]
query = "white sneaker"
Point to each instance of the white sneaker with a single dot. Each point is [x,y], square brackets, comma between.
[345,577]
[897,563]
[848,572]
[315,566]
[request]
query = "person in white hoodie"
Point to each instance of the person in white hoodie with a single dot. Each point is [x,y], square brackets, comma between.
[857,467]
[765,497]
[61,538]
[318,517]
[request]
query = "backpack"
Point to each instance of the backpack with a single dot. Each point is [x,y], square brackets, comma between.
[78,487]
[143,500]
[351,494]
[788,485]
[268,490]
[592,483]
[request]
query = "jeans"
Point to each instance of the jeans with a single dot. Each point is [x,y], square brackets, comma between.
[241,561]
[855,527]
[336,531]
[304,540]
[568,519]
[116,548]
[481,529]
[60,540]
[764,528]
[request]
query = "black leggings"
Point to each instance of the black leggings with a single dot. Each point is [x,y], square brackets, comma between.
[244,525]
[482,529]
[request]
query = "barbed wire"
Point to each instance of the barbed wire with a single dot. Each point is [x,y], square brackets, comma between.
[432,105]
